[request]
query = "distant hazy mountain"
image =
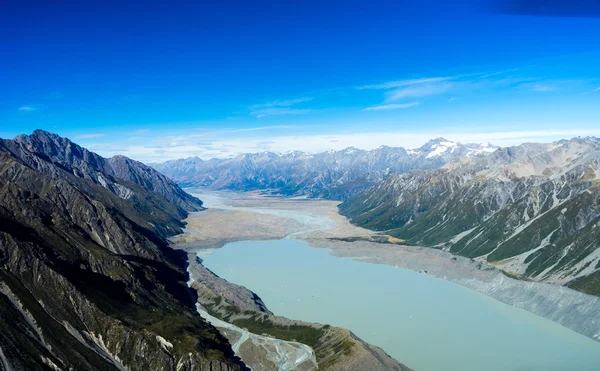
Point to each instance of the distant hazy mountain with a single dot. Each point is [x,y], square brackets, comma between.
[333,174]
[533,210]
[87,279]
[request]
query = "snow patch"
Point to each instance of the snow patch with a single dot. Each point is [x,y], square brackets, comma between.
[591,261]
[460,236]
[442,147]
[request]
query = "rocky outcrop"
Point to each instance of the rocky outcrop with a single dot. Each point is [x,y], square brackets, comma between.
[136,172]
[87,279]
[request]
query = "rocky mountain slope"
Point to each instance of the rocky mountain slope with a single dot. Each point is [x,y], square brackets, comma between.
[87,279]
[90,166]
[532,210]
[332,175]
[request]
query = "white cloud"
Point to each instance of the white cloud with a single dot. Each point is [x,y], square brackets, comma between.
[418,91]
[391,106]
[277,111]
[401,83]
[597,89]
[541,87]
[281,103]
[26,109]
[430,86]
[225,147]
[89,136]
[279,107]
[262,128]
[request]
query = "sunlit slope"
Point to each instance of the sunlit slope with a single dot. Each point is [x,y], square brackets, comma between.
[533,210]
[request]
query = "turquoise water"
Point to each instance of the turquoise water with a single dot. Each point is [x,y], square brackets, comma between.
[426,323]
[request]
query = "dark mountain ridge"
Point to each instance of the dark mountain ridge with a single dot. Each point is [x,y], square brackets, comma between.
[90,166]
[87,279]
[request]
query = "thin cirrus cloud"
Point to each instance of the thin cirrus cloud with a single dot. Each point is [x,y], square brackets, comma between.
[418,91]
[401,83]
[431,86]
[391,106]
[89,136]
[277,111]
[280,107]
[540,87]
[26,109]
[263,128]
[411,88]
[281,103]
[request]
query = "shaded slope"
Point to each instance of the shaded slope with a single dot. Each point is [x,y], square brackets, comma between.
[87,280]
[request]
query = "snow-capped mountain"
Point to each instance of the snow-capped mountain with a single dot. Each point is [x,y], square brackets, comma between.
[331,174]
[446,149]
[533,210]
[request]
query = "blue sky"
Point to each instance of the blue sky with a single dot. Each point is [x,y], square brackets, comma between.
[158,80]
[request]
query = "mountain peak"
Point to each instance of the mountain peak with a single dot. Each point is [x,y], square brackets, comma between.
[93,167]
[433,143]
[61,150]
[44,133]
[349,150]
[39,135]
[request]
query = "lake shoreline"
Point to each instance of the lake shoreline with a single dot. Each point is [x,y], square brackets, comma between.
[402,311]
[254,217]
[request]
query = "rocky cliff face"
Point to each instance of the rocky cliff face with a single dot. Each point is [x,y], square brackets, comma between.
[532,210]
[87,280]
[332,175]
[111,173]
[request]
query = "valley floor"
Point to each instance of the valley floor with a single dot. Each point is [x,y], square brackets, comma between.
[236,217]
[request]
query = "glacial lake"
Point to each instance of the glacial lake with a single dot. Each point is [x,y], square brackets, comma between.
[426,323]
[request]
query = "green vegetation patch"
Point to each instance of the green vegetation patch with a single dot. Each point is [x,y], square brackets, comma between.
[588,284]
[258,324]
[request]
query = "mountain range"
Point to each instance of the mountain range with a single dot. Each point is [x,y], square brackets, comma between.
[89,281]
[331,175]
[532,210]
